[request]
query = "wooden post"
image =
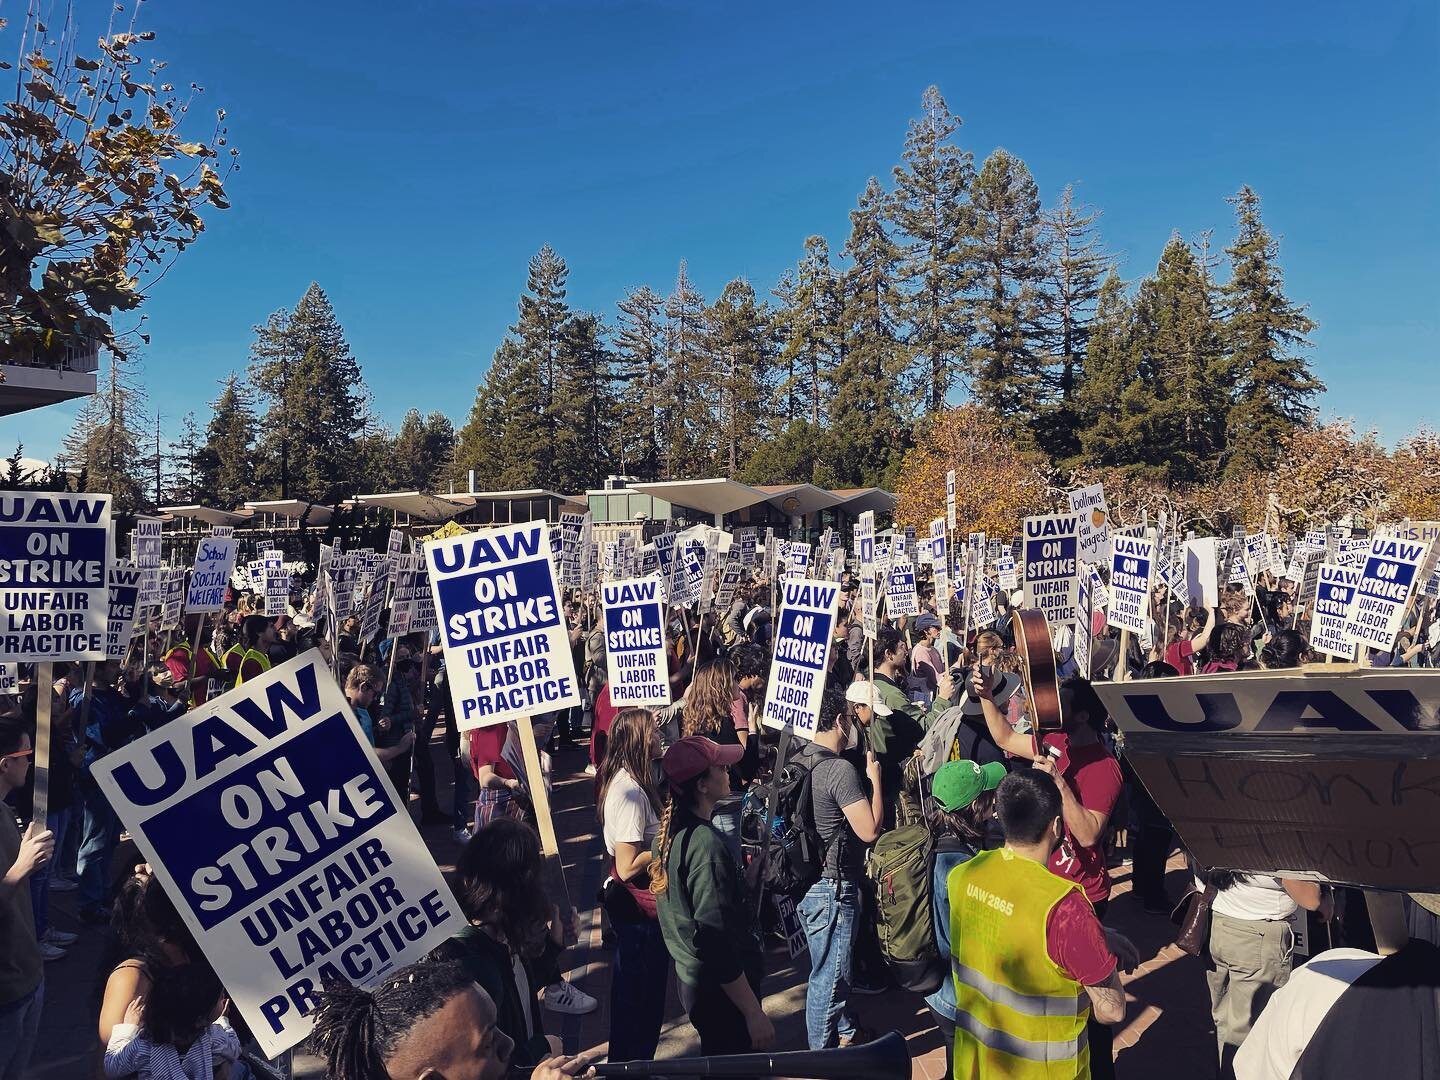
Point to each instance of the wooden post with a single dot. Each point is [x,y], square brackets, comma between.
[549,847]
[1122,667]
[44,699]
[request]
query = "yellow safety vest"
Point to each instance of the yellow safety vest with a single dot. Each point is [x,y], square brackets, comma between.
[246,654]
[1019,1016]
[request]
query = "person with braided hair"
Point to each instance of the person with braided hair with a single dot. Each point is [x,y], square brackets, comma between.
[429,1020]
[705,917]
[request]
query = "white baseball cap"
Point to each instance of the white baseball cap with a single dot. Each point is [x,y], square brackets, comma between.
[859,693]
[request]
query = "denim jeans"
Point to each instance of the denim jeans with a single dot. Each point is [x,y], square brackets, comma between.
[19,1028]
[99,835]
[637,990]
[828,915]
[58,822]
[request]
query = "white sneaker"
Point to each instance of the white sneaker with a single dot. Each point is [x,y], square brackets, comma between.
[60,938]
[51,952]
[589,770]
[565,997]
[63,884]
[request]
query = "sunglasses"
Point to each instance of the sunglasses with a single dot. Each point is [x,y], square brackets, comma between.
[17,754]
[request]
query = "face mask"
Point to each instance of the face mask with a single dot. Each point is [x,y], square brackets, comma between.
[852,737]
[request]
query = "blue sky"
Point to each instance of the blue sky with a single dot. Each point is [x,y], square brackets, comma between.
[412,156]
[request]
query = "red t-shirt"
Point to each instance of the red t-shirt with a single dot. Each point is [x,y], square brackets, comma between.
[1094,776]
[1076,942]
[600,733]
[487,746]
[1178,656]
[207,667]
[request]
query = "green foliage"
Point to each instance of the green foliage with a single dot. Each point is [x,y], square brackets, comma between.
[638,376]
[807,325]
[421,453]
[687,424]
[107,441]
[224,464]
[742,348]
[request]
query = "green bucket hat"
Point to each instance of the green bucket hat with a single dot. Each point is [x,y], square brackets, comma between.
[959,783]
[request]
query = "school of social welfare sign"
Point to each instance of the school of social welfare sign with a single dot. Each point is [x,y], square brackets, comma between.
[802,655]
[272,826]
[54,565]
[502,625]
[635,642]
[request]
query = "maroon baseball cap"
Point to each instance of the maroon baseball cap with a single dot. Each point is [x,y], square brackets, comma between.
[693,754]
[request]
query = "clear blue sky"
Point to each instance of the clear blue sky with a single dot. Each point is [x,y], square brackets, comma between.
[411,158]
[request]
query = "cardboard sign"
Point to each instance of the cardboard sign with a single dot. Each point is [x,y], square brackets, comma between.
[1088,505]
[1333,595]
[1052,566]
[1378,606]
[123,606]
[940,566]
[1005,572]
[54,561]
[635,643]
[901,597]
[1080,651]
[1202,578]
[502,625]
[214,558]
[950,500]
[865,549]
[172,597]
[1131,568]
[412,610]
[797,560]
[802,656]
[1298,774]
[273,827]
[145,547]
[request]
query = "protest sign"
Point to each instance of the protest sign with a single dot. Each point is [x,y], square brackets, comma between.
[1005,572]
[413,608]
[376,591]
[900,594]
[802,656]
[507,649]
[798,560]
[950,500]
[1088,505]
[1052,566]
[214,557]
[865,550]
[1383,591]
[287,853]
[635,643]
[1335,591]
[9,679]
[1296,774]
[1202,582]
[1131,567]
[145,548]
[172,597]
[1080,652]
[124,603]
[54,559]
[940,567]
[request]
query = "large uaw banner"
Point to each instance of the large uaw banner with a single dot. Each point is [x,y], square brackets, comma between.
[502,625]
[54,560]
[635,642]
[802,655]
[276,833]
[1300,774]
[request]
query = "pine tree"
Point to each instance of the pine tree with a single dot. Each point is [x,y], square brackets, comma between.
[1178,354]
[316,397]
[1265,334]
[638,369]
[421,452]
[868,405]
[183,463]
[688,419]
[543,315]
[742,347]
[931,209]
[1006,361]
[808,327]
[224,465]
[1074,265]
[582,407]
[108,440]
[1109,431]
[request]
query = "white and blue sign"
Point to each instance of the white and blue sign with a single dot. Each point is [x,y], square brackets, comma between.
[1132,568]
[502,625]
[214,558]
[635,642]
[802,656]
[901,597]
[124,604]
[1333,594]
[1052,584]
[54,561]
[278,836]
[1386,582]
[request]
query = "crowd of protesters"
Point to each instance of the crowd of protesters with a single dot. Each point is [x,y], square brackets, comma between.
[920,724]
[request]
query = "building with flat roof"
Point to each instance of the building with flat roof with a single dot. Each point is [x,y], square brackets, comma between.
[47,376]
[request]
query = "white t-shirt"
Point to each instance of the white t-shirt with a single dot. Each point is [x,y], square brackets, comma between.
[629,817]
[1295,1012]
[1254,897]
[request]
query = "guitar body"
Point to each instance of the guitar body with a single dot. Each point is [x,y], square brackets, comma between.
[1037,668]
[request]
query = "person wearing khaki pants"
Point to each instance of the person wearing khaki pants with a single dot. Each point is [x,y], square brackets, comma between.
[1250,948]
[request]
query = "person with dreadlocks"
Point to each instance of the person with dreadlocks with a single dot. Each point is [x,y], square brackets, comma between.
[427,1020]
[705,916]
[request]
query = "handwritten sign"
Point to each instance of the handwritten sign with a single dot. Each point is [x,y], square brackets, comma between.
[214,557]
[1093,518]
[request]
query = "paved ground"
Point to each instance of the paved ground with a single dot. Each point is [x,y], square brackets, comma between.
[1167,1030]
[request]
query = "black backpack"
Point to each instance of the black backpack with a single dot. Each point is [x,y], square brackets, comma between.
[797,854]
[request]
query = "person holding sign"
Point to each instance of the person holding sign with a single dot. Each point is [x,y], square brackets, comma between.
[703,910]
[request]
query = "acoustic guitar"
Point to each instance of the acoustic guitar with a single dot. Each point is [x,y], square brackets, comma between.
[1037,668]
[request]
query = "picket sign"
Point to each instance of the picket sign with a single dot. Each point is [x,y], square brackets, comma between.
[1333,595]
[1382,595]
[1052,567]
[1093,521]
[635,642]
[288,854]
[802,656]
[1131,573]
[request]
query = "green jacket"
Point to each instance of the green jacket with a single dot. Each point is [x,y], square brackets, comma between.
[704,914]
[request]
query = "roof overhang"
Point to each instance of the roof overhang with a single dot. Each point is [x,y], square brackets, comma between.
[208,514]
[415,504]
[799,498]
[859,500]
[318,514]
[713,496]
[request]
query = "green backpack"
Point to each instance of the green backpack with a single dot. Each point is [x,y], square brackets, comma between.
[901,866]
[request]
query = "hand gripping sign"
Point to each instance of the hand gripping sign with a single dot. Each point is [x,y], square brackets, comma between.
[272,826]
[635,642]
[802,656]
[502,625]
